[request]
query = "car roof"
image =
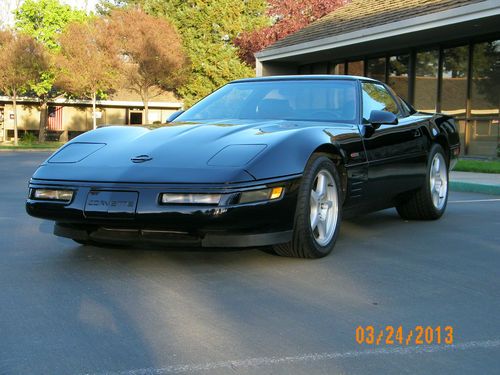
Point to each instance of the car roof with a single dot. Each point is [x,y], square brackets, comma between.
[305,77]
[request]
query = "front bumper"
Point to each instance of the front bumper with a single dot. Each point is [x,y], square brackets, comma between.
[224,225]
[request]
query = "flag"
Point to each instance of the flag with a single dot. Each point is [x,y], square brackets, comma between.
[55,118]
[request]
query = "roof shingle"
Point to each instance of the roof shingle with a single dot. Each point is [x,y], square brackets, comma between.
[362,14]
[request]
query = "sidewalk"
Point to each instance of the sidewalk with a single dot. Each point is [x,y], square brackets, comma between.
[486,183]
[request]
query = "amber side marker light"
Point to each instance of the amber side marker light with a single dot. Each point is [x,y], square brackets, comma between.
[261,195]
[276,193]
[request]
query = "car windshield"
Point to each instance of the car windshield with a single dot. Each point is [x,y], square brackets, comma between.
[303,100]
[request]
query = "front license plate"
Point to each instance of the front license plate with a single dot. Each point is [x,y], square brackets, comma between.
[111,203]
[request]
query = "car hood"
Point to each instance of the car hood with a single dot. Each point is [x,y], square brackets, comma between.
[184,152]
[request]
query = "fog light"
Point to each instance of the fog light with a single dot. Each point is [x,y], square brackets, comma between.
[171,198]
[261,195]
[53,195]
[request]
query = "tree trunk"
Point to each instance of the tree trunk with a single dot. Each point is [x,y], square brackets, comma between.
[145,100]
[14,105]
[44,115]
[94,118]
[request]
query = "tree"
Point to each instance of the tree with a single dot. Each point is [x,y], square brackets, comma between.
[153,59]
[105,7]
[287,17]
[88,63]
[22,59]
[45,20]
[208,29]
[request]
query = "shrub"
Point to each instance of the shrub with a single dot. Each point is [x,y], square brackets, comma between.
[28,138]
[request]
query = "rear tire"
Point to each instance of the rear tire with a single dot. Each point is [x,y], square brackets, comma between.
[429,202]
[319,211]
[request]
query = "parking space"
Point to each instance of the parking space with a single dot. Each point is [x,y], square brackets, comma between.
[70,309]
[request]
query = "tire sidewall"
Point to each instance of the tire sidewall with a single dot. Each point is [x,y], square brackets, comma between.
[303,225]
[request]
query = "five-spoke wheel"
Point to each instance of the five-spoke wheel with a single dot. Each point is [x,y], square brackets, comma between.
[438,181]
[429,202]
[324,207]
[318,213]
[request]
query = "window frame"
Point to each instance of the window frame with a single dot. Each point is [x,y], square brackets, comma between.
[362,104]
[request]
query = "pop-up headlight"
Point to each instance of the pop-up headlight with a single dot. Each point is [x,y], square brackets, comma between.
[75,152]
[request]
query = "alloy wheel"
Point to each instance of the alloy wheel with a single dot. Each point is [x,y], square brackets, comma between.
[324,207]
[438,181]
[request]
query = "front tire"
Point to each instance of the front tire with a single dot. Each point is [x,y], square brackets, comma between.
[319,211]
[429,202]
[82,242]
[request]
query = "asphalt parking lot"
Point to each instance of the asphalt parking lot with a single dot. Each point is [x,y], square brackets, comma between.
[70,309]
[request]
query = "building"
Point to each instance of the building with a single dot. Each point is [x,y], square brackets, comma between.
[69,118]
[440,55]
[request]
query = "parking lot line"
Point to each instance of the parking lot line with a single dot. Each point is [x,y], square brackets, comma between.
[476,200]
[311,357]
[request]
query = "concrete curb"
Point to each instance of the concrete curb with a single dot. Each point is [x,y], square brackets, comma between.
[474,188]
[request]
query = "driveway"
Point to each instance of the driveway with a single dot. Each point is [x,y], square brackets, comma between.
[70,309]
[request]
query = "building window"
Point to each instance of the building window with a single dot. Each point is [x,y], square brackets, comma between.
[426,79]
[305,69]
[320,68]
[398,74]
[356,68]
[338,68]
[454,84]
[485,93]
[483,134]
[375,68]
[135,117]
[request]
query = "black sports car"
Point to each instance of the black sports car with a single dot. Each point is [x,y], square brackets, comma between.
[266,161]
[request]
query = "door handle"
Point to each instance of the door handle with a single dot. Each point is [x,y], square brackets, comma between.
[416,133]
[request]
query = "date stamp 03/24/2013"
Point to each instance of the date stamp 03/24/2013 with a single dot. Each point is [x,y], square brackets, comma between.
[399,335]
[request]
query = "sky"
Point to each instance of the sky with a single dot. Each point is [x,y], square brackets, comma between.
[8,6]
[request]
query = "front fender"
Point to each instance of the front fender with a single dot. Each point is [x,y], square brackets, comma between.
[290,156]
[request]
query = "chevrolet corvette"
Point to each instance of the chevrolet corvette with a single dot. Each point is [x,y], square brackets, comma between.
[272,161]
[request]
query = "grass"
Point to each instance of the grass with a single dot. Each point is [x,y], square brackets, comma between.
[482,166]
[32,145]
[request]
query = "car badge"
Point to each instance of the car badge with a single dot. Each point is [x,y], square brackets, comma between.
[141,158]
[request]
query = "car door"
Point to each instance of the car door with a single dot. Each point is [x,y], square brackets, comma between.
[396,153]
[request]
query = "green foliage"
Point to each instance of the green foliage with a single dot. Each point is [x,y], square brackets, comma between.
[52,146]
[45,85]
[208,29]
[45,20]
[28,138]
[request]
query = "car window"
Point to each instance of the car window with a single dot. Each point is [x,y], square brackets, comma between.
[376,97]
[228,106]
[406,107]
[303,100]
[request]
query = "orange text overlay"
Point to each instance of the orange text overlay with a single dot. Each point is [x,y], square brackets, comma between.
[399,335]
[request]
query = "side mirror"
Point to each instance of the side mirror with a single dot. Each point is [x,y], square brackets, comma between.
[173,116]
[378,118]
